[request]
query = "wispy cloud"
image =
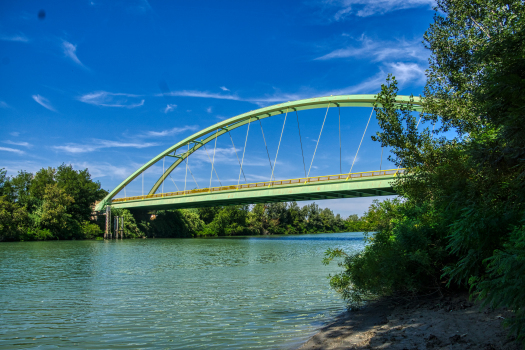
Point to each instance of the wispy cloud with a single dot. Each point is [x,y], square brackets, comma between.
[381,50]
[111,99]
[23,144]
[70,51]
[202,94]
[12,150]
[365,8]
[170,132]
[14,133]
[405,73]
[99,144]
[170,107]
[141,6]
[4,105]
[105,169]
[44,102]
[224,88]
[17,37]
[209,109]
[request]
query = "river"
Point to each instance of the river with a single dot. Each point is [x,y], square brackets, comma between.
[266,292]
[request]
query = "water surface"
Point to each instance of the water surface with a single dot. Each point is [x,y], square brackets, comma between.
[251,292]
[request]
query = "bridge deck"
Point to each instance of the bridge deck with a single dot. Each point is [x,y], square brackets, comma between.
[365,184]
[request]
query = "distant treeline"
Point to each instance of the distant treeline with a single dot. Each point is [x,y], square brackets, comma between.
[57,204]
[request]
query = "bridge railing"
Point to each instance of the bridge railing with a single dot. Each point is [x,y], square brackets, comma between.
[303,180]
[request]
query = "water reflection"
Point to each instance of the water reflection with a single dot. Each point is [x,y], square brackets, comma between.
[250,292]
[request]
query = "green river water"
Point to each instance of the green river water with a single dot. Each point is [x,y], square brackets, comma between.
[267,292]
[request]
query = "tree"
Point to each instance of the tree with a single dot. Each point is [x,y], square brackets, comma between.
[463,194]
[14,220]
[17,189]
[55,215]
[83,190]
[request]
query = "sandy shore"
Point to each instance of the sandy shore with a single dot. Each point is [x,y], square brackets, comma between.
[449,323]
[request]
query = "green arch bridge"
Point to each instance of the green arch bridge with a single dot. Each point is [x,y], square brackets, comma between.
[349,185]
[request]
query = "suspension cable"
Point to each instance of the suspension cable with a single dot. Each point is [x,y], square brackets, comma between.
[265,145]
[302,153]
[213,161]
[243,153]
[279,145]
[381,162]
[177,187]
[362,138]
[237,156]
[340,164]
[210,162]
[189,169]
[317,144]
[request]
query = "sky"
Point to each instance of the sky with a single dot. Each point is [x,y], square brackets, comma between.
[108,85]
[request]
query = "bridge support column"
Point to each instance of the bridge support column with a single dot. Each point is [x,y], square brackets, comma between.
[107,233]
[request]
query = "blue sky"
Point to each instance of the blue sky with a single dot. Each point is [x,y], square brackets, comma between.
[109,85]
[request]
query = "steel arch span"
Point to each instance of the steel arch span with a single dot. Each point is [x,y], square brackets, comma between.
[362,184]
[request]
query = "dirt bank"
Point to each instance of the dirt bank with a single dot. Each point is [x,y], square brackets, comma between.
[450,322]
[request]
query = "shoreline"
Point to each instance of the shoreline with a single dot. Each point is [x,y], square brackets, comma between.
[451,322]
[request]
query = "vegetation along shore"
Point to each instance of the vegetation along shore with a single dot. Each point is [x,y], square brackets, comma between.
[461,222]
[57,204]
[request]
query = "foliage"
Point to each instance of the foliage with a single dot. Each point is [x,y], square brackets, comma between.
[462,193]
[14,220]
[90,230]
[52,204]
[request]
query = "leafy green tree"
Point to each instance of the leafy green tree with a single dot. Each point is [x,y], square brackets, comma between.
[14,220]
[3,181]
[230,221]
[463,194]
[207,214]
[314,223]
[17,189]
[258,219]
[83,190]
[42,178]
[55,215]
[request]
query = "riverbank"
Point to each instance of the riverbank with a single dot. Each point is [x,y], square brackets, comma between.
[450,322]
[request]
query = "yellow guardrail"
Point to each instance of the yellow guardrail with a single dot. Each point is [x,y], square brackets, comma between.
[303,180]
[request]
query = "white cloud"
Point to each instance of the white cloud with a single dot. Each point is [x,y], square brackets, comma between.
[365,8]
[380,50]
[173,131]
[23,144]
[17,37]
[13,150]
[209,109]
[111,99]
[44,102]
[170,107]
[70,51]
[3,105]
[105,169]
[202,94]
[224,88]
[99,144]
[14,133]
[405,73]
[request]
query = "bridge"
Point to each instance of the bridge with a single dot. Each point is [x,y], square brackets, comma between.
[348,185]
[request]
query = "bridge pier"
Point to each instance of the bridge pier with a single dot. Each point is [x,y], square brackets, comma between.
[107,233]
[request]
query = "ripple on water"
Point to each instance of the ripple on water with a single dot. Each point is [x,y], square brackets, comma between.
[250,292]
